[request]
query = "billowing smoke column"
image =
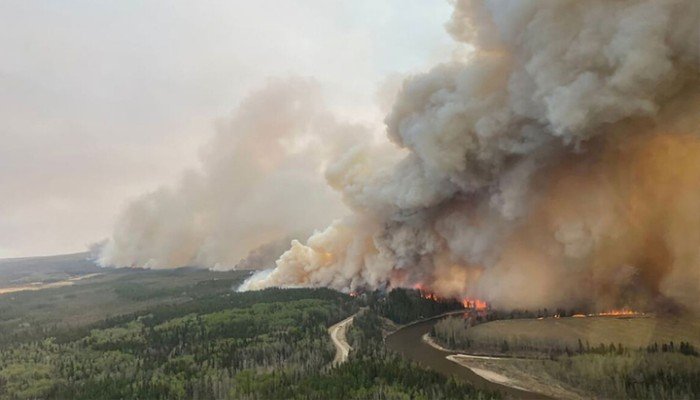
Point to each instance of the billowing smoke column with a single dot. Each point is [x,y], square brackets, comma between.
[259,183]
[558,166]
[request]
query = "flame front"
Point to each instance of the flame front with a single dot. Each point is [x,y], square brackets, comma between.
[618,312]
[467,302]
[476,304]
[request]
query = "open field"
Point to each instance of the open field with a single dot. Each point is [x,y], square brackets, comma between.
[571,358]
[28,270]
[46,285]
[562,333]
[518,373]
[633,375]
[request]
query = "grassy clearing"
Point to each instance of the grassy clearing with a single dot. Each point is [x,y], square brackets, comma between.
[559,334]
[21,271]
[520,373]
[609,357]
[637,375]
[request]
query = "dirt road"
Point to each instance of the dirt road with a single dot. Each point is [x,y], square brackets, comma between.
[338,336]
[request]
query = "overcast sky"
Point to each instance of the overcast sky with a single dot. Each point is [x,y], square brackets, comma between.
[103,101]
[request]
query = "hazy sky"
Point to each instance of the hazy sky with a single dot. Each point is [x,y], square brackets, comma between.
[103,101]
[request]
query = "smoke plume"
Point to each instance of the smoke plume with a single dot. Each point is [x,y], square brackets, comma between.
[260,182]
[558,165]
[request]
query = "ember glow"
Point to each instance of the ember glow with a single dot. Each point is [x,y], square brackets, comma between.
[476,304]
[623,312]
[467,302]
[428,294]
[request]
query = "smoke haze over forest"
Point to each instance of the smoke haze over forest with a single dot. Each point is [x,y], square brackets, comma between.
[547,156]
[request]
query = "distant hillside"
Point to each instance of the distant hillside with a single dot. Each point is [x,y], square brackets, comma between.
[15,271]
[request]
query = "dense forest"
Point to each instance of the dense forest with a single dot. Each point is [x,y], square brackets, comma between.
[406,305]
[186,334]
[221,344]
[207,349]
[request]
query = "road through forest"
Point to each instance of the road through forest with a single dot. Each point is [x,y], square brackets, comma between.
[338,334]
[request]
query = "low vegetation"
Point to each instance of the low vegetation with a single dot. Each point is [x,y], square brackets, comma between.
[556,336]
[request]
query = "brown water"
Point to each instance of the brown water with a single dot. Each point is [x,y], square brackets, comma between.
[408,341]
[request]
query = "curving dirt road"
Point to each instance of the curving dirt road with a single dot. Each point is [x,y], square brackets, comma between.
[338,336]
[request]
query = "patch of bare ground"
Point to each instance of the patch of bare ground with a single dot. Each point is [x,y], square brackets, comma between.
[516,373]
[522,374]
[338,333]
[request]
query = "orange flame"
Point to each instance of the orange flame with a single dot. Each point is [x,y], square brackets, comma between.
[620,312]
[476,304]
[467,302]
[426,294]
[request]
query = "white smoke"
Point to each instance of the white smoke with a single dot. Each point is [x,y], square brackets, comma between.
[554,165]
[260,182]
[504,184]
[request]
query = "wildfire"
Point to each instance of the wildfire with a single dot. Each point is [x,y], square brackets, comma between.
[467,302]
[431,296]
[419,287]
[426,294]
[617,313]
[475,304]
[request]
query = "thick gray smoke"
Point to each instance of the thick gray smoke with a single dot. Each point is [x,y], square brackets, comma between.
[558,165]
[260,182]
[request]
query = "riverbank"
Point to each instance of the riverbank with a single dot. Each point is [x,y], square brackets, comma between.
[515,373]
[572,358]
[500,372]
[408,342]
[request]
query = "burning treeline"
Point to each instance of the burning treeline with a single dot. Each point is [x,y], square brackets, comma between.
[468,303]
[557,165]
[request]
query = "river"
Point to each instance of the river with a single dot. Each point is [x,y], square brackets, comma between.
[408,341]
